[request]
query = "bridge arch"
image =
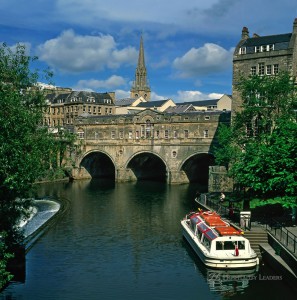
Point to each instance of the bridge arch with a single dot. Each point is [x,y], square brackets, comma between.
[98,164]
[196,167]
[147,165]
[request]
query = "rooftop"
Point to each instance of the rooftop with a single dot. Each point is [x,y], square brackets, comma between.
[267,40]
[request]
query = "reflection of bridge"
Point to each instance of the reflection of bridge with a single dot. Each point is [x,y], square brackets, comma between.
[176,148]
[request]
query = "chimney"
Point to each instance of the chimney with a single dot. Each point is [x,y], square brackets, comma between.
[245,33]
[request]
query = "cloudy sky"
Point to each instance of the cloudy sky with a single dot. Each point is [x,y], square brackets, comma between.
[93,44]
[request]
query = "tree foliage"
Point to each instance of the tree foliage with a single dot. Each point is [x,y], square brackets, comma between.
[24,143]
[259,148]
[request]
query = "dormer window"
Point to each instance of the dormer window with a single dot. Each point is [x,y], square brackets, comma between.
[263,48]
[242,50]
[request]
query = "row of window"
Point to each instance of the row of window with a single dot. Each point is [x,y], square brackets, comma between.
[145,134]
[257,49]
[263,69]
[91,109]
[89,99]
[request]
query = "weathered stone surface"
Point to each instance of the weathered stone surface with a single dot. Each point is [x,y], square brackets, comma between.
[171,143]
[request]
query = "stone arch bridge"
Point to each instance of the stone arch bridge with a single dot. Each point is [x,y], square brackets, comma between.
[148,145]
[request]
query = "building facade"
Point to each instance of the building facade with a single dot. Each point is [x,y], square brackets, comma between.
[146,144]
[263,55]
[66,105]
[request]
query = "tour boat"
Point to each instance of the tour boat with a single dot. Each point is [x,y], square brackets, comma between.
[217,243]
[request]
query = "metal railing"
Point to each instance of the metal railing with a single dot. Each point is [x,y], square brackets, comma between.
[284,236]
[277,228]
[215,205]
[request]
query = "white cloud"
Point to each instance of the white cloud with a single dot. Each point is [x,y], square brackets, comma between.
[121,94]
[202,61]
[94,84]
[187,96]
[155,97]
[70,52]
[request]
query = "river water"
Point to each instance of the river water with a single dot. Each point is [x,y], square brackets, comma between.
[123,241]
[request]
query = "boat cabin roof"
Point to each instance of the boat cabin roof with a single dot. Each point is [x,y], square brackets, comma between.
[212,225]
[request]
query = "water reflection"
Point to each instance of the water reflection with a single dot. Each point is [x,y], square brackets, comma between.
[230,282]
[223,282]
[122,241]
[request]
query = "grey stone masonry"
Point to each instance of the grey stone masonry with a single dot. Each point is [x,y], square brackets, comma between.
[263,55]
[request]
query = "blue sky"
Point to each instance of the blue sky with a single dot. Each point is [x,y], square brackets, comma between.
[93,44]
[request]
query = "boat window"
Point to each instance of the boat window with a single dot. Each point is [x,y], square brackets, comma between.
[195,220]
[241,245]
[203,227]
[219,245]
[210,235]
[206,243]
[229,245]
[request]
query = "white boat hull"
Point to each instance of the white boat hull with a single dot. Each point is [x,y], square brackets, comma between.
[231,262]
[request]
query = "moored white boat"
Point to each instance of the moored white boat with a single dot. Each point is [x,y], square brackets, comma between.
[217,243]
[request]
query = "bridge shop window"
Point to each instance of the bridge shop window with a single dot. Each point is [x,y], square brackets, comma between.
[121,134]
[175,134]
[186,133]
[205,133]
[81,133]
[157,134]
[137,134]
[142,131]
[130,134]
[166,134]
[148,129]
[113,134]
[174,154]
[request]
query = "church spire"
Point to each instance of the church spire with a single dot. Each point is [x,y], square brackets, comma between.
[140,86]
[141,63]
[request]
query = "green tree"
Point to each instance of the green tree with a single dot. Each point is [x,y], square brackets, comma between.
[24,143]
[259,148]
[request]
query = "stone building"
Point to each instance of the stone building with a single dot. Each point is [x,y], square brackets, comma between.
[263,55]
[66,105]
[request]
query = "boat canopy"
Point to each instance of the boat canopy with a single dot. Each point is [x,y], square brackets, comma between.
[228,231]
[210,221]
[210,235]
